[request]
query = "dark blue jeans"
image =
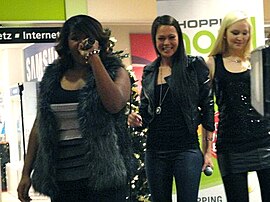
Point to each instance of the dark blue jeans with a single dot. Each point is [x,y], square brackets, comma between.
[185,167]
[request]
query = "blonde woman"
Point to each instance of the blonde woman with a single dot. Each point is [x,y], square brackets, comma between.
[243,142]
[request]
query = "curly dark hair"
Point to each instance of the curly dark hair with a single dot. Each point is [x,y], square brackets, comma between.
[82,24]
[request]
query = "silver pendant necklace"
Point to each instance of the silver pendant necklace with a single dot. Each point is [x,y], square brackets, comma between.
[237,60]
[161,99]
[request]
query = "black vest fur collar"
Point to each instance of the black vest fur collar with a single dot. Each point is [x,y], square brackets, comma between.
[105,133]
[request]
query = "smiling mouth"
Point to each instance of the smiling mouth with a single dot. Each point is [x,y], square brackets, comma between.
[166,48]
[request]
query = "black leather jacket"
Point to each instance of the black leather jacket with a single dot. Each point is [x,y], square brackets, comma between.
[201,112]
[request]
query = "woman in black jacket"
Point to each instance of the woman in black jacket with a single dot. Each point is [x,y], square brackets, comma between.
[176,97]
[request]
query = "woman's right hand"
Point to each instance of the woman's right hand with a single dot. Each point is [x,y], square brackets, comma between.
[23,189]
[134,120]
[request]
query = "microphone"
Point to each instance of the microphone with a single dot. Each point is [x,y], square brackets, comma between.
[21,88]
[88,43]
[208,171]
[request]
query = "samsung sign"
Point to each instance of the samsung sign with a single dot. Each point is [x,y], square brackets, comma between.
[36,58]
[29,35]
[40,54]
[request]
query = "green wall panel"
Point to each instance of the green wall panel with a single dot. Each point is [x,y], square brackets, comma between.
[75,7]
[32,10]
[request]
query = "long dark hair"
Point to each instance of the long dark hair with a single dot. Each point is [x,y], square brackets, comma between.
[81,24]
[180,54]
[180,80]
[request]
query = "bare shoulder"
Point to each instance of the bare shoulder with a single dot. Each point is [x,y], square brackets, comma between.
[209,60]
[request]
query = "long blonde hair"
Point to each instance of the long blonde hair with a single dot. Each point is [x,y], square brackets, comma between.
[220,46]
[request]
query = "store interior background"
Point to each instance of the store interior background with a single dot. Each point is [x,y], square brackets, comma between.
[123,17]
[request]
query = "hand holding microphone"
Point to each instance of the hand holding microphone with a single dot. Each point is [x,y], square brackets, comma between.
[87,47]
[208,171]
[87,43]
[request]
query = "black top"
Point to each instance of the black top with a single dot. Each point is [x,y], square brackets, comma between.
[168,131]
[240,127]
[72,154]
[61,95]
[198,82]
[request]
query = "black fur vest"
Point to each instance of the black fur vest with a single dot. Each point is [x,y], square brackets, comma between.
[106,135]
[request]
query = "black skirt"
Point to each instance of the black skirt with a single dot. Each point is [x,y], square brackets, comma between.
[254,160]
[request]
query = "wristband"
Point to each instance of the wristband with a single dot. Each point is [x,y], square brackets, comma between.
[208,139]
[94,52]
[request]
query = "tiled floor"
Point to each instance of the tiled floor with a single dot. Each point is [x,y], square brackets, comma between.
[7,197]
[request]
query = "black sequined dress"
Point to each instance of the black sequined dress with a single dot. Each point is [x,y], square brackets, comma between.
[243,141]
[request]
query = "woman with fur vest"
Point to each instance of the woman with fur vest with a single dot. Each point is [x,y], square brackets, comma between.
[79,147]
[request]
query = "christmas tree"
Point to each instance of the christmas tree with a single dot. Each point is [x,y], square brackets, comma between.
[138,183]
